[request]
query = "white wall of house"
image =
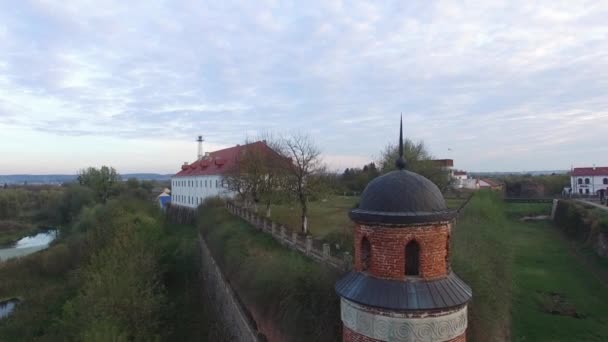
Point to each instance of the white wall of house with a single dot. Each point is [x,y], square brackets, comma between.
[588,185]
[191,191]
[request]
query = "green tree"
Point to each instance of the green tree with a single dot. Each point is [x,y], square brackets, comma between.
[102,181]
[121,295]
[75,198]
[418,159]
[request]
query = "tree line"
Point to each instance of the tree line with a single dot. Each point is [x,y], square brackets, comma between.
[118,272]
[291,169]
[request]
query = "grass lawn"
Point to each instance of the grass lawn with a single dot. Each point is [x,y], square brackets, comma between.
[325,217]
[548,277]
[328,219]
[520,272]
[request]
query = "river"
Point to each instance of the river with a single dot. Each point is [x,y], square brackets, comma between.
[29,245]
[7,307]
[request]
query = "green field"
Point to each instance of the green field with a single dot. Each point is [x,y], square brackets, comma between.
[328,219]
[527,283]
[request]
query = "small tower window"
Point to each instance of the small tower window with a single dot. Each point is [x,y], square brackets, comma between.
[366,254]
[412,259]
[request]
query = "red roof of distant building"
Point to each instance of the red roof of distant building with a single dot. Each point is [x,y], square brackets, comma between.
[590,171]
[460,173]
[220,162]
[491,182]
[444,162]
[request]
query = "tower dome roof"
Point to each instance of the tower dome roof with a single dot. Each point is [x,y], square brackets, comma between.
[401,197]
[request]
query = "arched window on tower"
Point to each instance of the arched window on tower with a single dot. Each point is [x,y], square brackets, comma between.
[412,259]
[366,254]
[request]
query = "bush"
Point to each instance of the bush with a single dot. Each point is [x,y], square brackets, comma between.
[574,219]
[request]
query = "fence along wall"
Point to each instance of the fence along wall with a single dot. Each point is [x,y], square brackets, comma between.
[291,239]
[232,311]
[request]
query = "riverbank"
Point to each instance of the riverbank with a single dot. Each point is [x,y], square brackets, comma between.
[11,231]
[29,244]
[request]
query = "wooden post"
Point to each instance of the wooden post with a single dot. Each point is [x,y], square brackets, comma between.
[308,244]
[326,251]
[348,260]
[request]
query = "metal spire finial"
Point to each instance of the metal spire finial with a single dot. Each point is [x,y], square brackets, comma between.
[400,163]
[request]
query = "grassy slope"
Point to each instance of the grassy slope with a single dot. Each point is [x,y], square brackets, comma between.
[283,286]
[543,265]
[513,266]
[483,258]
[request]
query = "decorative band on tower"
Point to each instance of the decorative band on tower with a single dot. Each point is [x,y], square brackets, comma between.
[402,287]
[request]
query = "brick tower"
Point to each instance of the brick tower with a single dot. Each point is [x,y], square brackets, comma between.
[402,287]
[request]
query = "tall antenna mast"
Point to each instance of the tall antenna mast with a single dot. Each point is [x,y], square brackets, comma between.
[200,147]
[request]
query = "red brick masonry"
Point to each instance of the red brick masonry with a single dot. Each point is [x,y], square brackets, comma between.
[388,249]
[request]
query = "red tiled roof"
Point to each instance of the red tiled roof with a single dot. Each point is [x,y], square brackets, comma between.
[590,171]
[443,162]
[220,162]
[492,182]
[460,173]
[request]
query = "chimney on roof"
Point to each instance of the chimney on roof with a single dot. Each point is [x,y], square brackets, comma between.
[200,147]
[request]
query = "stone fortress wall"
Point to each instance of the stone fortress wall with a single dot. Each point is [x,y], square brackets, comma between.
[233,313]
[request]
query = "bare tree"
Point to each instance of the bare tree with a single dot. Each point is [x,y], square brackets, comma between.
[304,175]
[257,174]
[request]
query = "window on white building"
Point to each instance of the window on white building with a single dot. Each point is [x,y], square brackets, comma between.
[580,191]
[580,181]
[587,181]
[217,183]
[605,181]
[205,183]
[587,191]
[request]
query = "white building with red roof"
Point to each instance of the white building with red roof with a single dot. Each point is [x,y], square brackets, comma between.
[588,180]
[204,177]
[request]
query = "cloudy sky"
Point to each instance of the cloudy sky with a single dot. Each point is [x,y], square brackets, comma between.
[495,85]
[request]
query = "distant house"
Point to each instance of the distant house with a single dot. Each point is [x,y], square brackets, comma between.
[164,199]
[445,164]
[460,180]
[492,184]
[204,178]
[588,180]
[460,175]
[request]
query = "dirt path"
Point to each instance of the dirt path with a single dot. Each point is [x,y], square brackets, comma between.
[593,204]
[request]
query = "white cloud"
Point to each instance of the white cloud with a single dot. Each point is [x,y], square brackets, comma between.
[513,79]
